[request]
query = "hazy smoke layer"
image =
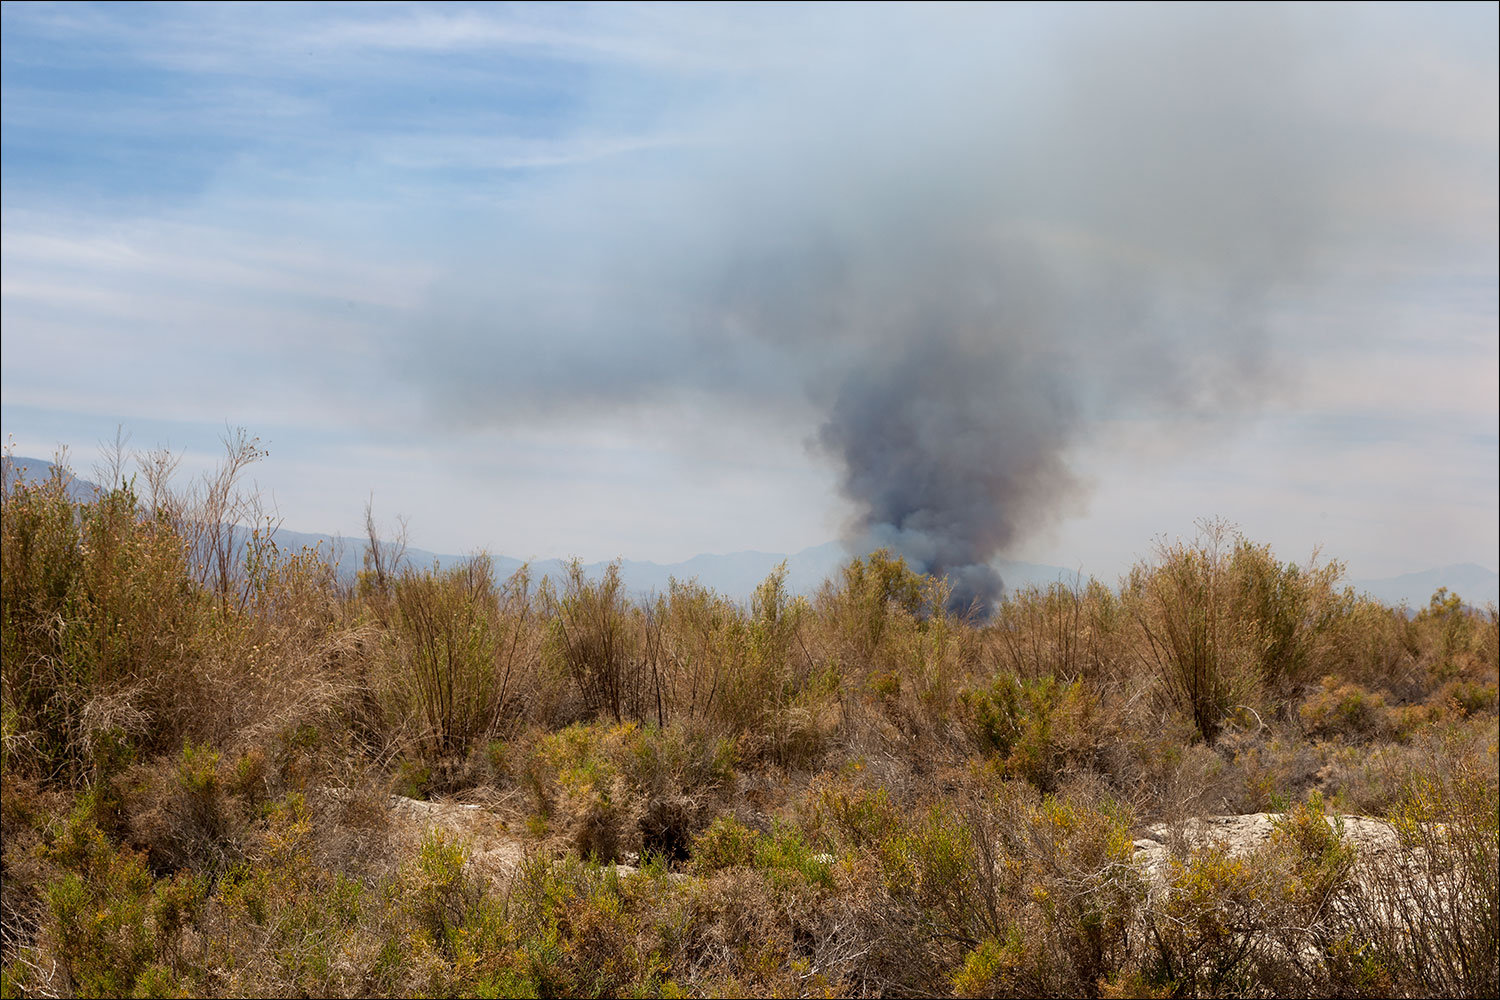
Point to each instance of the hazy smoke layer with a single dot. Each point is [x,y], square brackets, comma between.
[963,239]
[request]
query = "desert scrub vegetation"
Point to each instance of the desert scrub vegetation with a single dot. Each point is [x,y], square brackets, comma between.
[856,792]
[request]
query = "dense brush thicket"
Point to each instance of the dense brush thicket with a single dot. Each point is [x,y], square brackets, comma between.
[857,793]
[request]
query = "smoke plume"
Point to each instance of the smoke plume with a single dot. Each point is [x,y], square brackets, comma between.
[960,241]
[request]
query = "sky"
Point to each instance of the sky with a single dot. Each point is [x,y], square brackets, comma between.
[1044,282]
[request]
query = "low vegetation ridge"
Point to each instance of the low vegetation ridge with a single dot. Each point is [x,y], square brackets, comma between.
[229,771]
[736,575]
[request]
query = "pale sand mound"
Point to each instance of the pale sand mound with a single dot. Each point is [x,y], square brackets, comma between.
[1242,834]
[494,852]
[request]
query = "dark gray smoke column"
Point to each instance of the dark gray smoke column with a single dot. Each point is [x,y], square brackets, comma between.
[942,455]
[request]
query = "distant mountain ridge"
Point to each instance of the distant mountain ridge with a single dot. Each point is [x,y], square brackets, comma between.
[1475,584]
[735,575]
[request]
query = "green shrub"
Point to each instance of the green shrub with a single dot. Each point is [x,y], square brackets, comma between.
[437,892]
[725,843]
[1038,730]
[789,861]
[1344,708]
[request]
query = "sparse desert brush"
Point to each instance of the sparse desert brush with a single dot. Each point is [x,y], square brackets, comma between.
[591,638]
[1428,913]
[97,608]
[1071,633]
[862,793]
[452,649]
[1183,610]
[744,672]
[859,609]
[1289,616]
[1454,644]
[1345,708]
[1374,650]
[927,662]
[1057,894]
[1223,625]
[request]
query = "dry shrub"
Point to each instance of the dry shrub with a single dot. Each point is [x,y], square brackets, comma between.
[1040,730]
[1345,709]
[612,790]
[454,647]
[591,636]
[1377,779]
[97,610]
[698,651]
[1182,609]
[132,627]
[181,813]
[1060,631]
[1165,774]
[743,672]
[927,660]
[24,811]
[859,609]
[1261,922]
[1222,625]
[1428,913]
[1268,768]
[1290,616]
[1374,651]
[1454,641]
[1057,889]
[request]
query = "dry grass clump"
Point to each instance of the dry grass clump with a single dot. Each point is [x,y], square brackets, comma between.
[862,793]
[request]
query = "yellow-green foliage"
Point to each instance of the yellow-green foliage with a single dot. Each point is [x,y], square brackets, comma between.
[1038,730]
[1059,870]
[873,592]
[1344,708]
[1454,642]
[1427,917]
[628,788]
[435,890]
[725,843]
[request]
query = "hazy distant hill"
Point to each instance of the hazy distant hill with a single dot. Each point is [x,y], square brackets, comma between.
[1475,584]
[35,470]
[736,575]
